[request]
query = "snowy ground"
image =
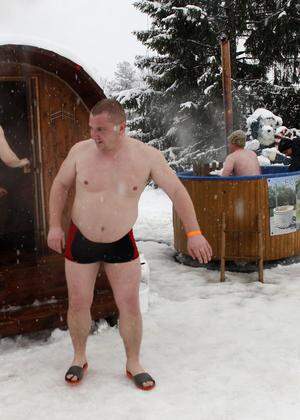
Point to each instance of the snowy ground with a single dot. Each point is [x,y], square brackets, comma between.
[218,351]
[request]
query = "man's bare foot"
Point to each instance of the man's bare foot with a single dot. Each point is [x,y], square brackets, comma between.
[73,376]
[134,369]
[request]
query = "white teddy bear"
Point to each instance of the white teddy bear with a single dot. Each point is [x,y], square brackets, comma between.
[263,126]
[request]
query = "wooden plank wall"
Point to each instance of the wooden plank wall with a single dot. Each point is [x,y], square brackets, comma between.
[241,201]
[34,297]
[59,135]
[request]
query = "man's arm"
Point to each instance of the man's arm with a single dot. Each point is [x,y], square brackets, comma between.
[57,201]
[8,156]
[166,179]
[228,166]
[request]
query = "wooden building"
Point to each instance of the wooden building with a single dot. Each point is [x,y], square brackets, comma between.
[44,106]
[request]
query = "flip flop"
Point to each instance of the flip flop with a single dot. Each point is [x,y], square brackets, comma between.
[140,379]
[77,371]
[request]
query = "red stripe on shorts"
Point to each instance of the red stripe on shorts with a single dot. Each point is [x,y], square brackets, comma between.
[136,252]
[71,234]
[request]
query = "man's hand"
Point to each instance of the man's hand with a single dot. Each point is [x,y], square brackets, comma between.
[199,249]
[23,162]
[56,239]
[3,192]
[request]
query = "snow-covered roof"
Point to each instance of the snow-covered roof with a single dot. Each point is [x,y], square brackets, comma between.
[55,60]
[50,46]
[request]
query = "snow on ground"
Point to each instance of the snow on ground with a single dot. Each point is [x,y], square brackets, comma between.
[225,351]
[155,217]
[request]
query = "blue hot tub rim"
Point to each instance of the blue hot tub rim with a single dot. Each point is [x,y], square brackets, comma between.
[274,171]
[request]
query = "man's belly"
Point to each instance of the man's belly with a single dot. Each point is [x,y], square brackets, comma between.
[102,218]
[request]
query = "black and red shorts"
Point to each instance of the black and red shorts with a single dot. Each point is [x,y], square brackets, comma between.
[83,251]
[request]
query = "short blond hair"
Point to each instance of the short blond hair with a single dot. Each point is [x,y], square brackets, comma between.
[112,107]
[238,138]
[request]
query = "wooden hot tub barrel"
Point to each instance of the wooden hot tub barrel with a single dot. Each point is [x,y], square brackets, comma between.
[242,199]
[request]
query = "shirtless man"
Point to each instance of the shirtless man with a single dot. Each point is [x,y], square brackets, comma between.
[9,158]
[111,171]
[240,161]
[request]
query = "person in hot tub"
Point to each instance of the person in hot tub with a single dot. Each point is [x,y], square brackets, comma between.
[291,148]
[240,161]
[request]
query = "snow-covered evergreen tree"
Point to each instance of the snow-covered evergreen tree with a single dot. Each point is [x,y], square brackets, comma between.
[180,110]
[125,76]
[273,47]
[126,85]
[177,111]
[274,37]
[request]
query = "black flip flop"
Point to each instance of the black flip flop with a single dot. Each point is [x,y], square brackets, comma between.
[140,379]
[77,371]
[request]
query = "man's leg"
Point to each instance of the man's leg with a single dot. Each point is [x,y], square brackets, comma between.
[125,281]
[81,281]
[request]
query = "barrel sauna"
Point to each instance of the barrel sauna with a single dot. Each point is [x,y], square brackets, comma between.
[44,106]
[242,200]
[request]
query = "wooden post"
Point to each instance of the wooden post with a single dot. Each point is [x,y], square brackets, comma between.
[223,244]
[226,77]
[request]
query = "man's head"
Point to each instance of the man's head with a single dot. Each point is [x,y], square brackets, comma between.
[285,146]
[107,123]
[237,140]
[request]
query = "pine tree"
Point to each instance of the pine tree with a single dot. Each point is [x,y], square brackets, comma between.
[125,76]
[183,76]
[272,44]
[274,37]
[181,109]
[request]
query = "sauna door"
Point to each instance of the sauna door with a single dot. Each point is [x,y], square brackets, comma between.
[17,238]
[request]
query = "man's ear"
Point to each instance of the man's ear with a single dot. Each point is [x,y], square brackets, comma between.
[122,127]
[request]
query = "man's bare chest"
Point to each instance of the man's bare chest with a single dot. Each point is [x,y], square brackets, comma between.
[125,178]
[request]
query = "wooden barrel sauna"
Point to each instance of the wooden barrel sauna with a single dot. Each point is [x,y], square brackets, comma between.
[44,106]
[242,200]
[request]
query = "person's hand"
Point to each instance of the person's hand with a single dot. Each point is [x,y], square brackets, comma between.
[199,248]
[23,162]
[3,192]
[56,239]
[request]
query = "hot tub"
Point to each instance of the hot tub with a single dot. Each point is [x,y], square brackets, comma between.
[242,200]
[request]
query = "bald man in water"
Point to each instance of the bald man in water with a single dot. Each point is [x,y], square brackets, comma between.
[111,171]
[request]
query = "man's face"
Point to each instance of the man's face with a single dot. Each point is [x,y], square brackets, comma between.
[105,132]
[288,152]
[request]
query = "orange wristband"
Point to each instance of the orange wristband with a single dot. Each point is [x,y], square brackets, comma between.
[193,233]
